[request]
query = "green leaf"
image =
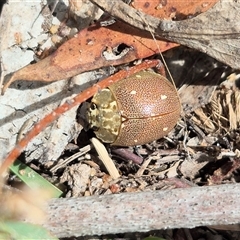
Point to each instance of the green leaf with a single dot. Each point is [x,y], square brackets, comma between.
[23,231]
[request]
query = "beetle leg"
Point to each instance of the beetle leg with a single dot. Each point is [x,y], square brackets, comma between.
[161,69]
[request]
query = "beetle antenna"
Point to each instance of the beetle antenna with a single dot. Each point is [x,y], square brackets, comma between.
[159,50]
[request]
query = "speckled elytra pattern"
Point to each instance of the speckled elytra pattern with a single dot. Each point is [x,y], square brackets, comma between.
[148,106]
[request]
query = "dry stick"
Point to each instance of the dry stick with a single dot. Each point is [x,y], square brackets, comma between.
[81,97]
[215,32]
[104,157]
[144,211]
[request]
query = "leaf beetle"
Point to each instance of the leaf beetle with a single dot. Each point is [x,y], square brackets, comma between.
[135,110]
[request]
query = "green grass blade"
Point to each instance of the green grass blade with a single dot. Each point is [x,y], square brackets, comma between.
[33,180]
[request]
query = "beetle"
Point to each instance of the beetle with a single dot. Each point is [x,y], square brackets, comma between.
[135,110]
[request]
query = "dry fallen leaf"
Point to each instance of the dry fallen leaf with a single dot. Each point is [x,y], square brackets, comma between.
[215,32]
[172,9]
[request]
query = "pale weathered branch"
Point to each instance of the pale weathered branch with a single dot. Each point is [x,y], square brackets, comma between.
[145,211]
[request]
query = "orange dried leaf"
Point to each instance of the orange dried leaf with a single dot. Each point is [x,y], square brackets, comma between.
[86,52]
[173,9]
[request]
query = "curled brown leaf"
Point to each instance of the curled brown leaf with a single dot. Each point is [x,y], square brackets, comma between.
[215,32]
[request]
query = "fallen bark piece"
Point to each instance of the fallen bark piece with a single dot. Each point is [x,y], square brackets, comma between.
[144,211]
